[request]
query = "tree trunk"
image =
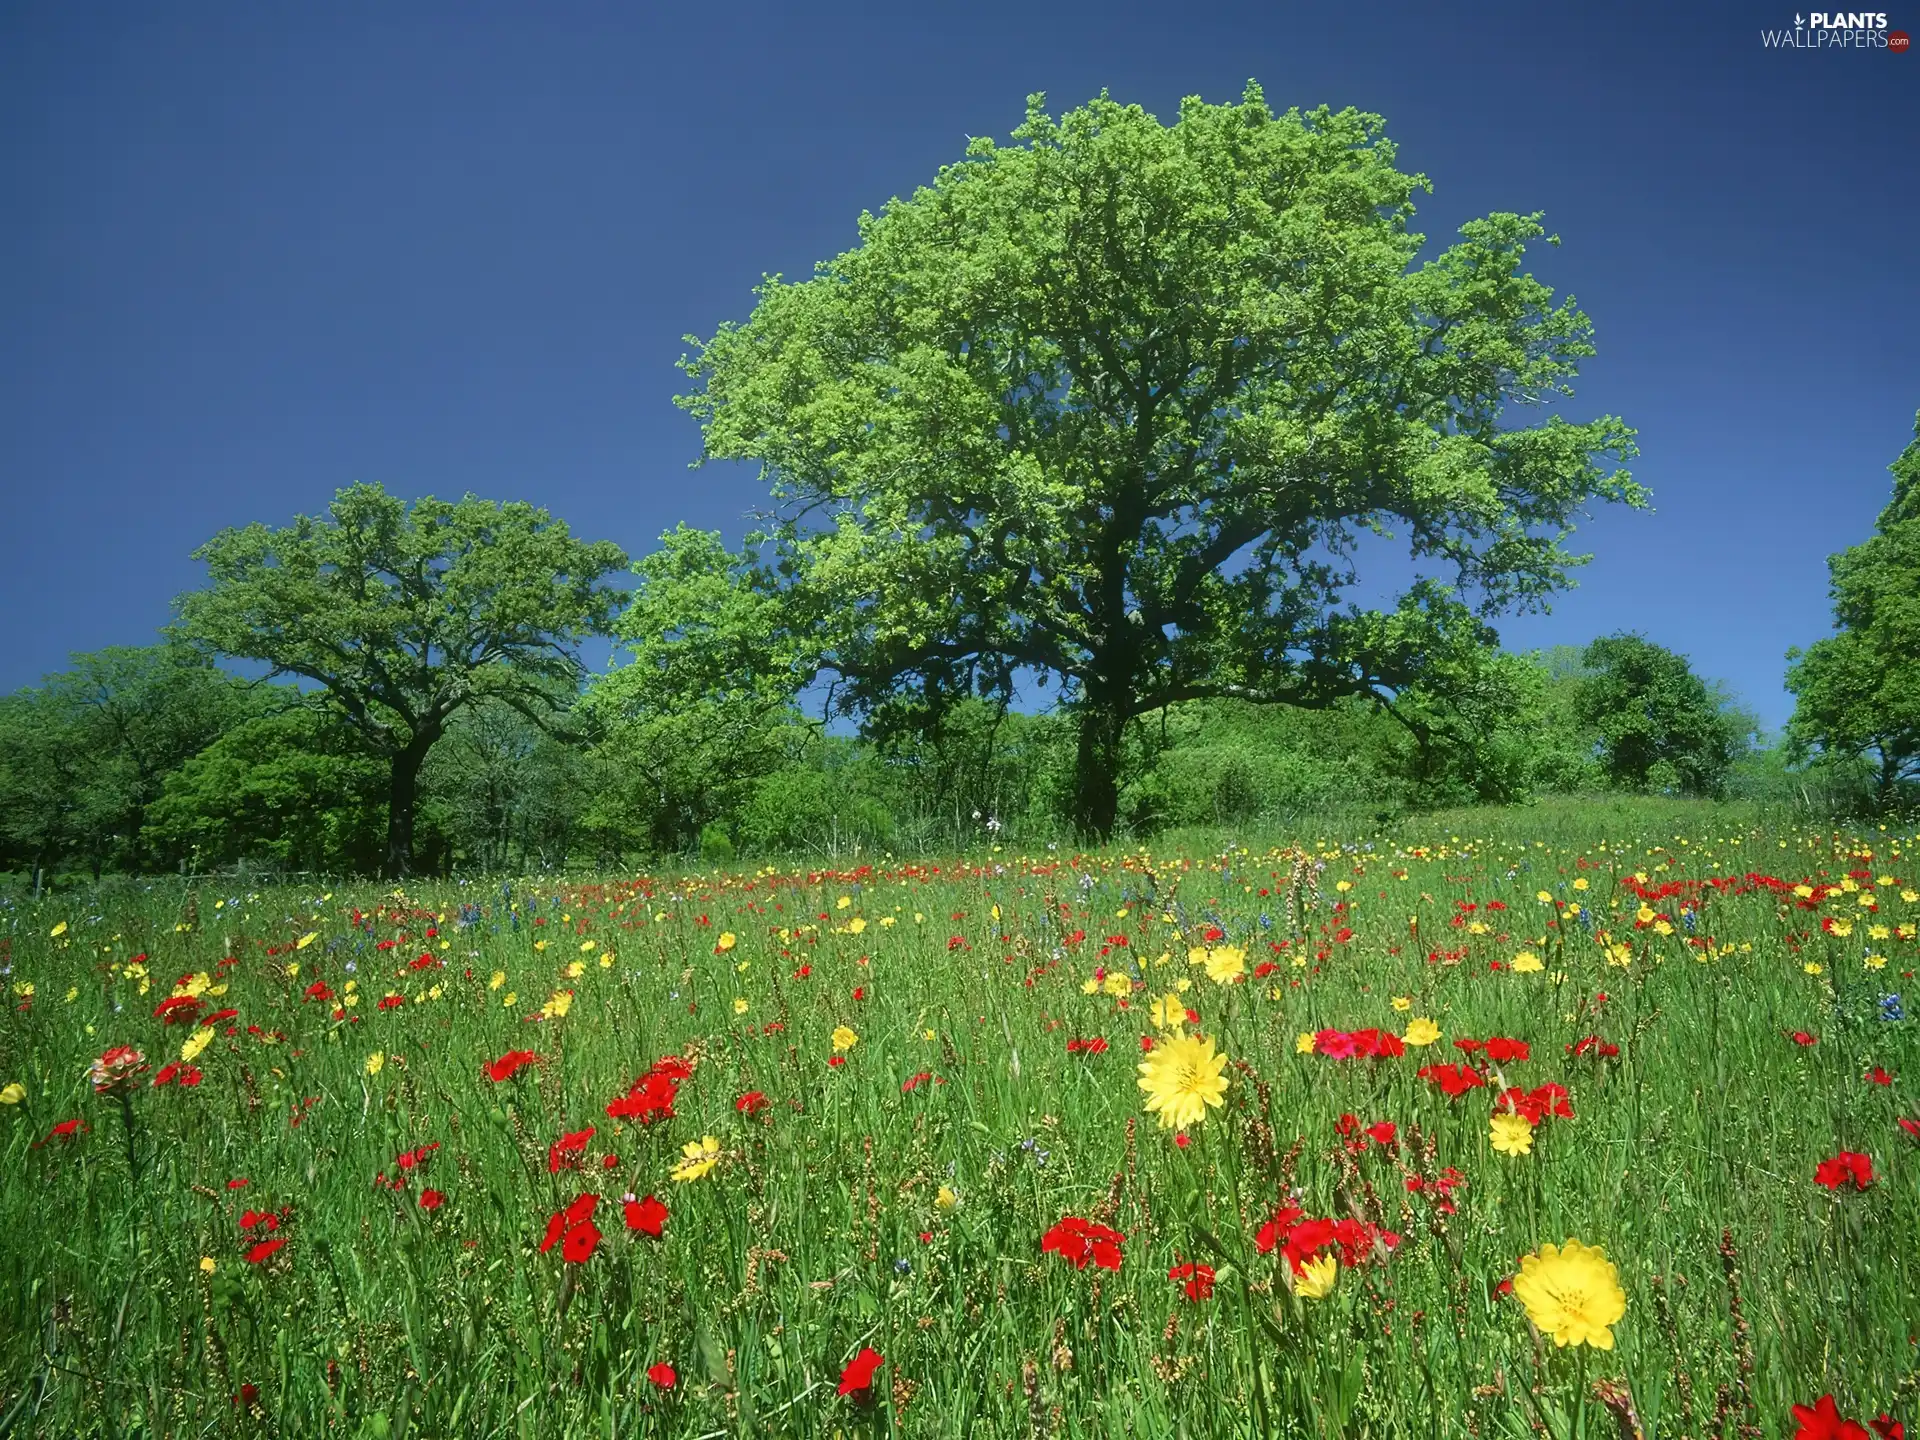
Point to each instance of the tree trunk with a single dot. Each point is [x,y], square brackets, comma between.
[402,791]
[1096,769]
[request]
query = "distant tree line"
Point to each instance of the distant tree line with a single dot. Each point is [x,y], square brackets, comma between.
[1070,464]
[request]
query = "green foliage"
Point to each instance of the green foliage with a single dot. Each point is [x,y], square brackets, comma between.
[84,754]
[1109,407]
[1857,692]
[297,790]
[1660,726]
[406,613]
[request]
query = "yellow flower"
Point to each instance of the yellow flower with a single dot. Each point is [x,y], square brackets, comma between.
[208,1265]
[844,1038]
[1181,1078]
[575,970]
[1315,1278]
[1572,1293]
[196,1042]
[306,940]
[928,1035]
[1811,967]
[1169,1012]
[1526,962]
[1876,962]
[606,959]
[375,1061]
[739,1005]
[1842,928]
[1090,986]
[539,944]
[1581,883]
[1118,984]
[558,1006]
[1421,1032]
[585,946]
[1197,955]
[726,942]
[856,924]
[496,980]
[510,999]
[1226,964]
[1544,897]
[700,1157]
[843,902]
[946,1199]
[13,1094]
[1403,1002]
[1512,1134]
[1303,1043]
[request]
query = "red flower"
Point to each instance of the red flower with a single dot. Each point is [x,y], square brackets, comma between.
[836,1061]
[1821,1421]
[751,1103]
[1503,1051]
[648,1216]
[566,1151]
[1888,1428]
[1801,1037]
[1096,1046]
[1383,1132]
[662,1375]
[859,1372]
[248,1396]
[431,1199]
[240,1183]
[1335,1044]
[1879,1076]
[556,1227]
[581,1238]
[1198,1278]
[510,1065]
[1081,1240]
[1455,1080]
[1912,1127]
[1847,1165]
[265,1249]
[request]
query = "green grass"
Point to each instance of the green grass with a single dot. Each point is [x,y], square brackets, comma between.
[818,1233]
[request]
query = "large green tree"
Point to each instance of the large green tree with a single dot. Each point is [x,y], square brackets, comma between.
[1659,725]
[407,613]
[1857,692]
[1112,407]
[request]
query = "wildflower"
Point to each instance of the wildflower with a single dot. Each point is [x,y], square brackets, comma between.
[510,1065]
[1821,1421]
[751,1103]
[1512,1134]
[844,1038]
[739,1005]
[1181,1079]
[662,1375]
[1572,1293]
[1315,1278]
[578,1246]
[1226,964]
[1526,963]
[1848,1165]
[13,1094]
[265,1250]
[431,1199]
[1421,1032]
[1198,1278]
[648,1216]
[946,1199]
[858,1376]
[375,1062]
[1303,1043]
[1080,1240]
[1803,1038]
[1454,1080]
[725,943]
[699,1157]
[1169,1012]
[565,1153]
[117,1069]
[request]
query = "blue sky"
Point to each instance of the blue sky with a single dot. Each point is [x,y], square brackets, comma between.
[250,254]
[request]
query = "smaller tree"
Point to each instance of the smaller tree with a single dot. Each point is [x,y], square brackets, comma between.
[1857,692]
[1660,726]
[407,614]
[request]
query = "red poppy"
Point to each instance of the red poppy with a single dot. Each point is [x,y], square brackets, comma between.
[431,1199]
[565,1152]
[859,1372]
[836,1061]
[1454,1080]
[1822,1421]
[1081,1240]
[238,1183]
[1503,1051]
[1847,1165]
[265,1249]
[1096,1046]
[1198,1278]
[580,1241]
[556,1227]
[1802,1037]
[1888,1428]
[751,1103]
[648,1216]
[1383,1132]
[662,1375]
[510,1065]
[1912,1127]
[1335,1044]
[249,1395]
[1879,1076]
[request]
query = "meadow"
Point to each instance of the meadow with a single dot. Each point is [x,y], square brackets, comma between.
[1178,1139]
